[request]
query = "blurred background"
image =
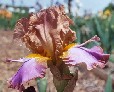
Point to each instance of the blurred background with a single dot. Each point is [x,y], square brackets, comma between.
[91,17]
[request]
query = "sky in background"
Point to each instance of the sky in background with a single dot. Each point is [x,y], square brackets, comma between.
[91,5]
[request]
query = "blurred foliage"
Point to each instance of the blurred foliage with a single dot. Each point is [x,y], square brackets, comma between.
[110,7]
[102,25]
[8,19]
[108,87]
[111,58]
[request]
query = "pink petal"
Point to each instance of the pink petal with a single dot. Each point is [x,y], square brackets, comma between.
[97,49]
[29,70]
[91,57]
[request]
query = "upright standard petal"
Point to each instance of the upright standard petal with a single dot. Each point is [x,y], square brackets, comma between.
[30,69]
[46,32]
[91,57]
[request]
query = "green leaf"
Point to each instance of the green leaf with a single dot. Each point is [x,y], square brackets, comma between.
[108,87]
[42,84]
[111,58]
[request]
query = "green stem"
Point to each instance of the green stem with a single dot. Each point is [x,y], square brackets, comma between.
[41,84]
[67,81]
[60,84]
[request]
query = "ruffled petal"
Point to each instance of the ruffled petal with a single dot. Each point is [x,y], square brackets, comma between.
[97,52]
[46,32]
[91,57]
[29,70]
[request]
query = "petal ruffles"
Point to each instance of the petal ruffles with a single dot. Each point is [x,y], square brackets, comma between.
[91,57]
[29,70]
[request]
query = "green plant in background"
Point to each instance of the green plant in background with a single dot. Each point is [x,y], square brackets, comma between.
[104,30]
[15,17]
[9,23]
[109,7]
[108,87]
[79,22]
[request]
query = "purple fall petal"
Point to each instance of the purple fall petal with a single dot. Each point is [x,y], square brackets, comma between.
[97,52]
[91,57]
[31,69]
[97,49]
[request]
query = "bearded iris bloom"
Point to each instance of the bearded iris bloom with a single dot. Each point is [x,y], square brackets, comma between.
[48,36]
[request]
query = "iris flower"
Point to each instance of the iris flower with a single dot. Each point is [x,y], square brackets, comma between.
[5,13]
[48,36]
[107,13]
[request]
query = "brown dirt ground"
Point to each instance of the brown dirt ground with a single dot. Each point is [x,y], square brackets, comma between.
[9,49]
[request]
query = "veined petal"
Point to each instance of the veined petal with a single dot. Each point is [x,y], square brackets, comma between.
[97,52]
[46,32]
[29,70]
[91,57]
